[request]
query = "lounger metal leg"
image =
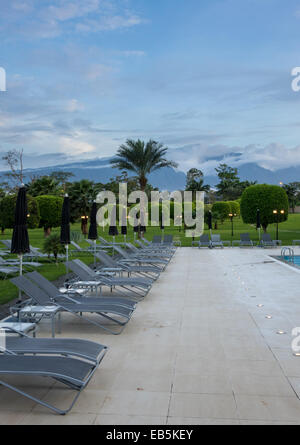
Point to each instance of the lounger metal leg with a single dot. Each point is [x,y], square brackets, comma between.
[41,402]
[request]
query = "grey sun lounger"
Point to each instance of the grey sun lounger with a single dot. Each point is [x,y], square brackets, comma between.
[74,296]
[139,286]
[79,250]
[4,262]
[163,251]
[5,270]
[114,266]
[73,373]
[68,347]
[140,259]
[157,239]
[267,241]
[204,241]
[77,309]
[245,240]
[168,242]
[108,244]
[217,242]
[163,254]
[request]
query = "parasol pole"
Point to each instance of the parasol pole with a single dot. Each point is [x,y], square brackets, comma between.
[21,273]
[67,258]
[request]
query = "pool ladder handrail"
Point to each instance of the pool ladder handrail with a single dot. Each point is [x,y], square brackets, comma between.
[289,252]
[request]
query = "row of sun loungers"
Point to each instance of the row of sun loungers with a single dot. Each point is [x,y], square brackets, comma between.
[71,361]
[245,241]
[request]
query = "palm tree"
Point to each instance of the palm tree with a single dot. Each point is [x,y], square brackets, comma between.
[142,158]
[82,194]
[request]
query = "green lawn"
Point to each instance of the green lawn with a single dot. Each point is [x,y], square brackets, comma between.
[288,231]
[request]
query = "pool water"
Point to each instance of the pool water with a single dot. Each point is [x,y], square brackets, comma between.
[295,260]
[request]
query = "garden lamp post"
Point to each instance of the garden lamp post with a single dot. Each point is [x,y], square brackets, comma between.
[84,224]
[277,213]
[231,216]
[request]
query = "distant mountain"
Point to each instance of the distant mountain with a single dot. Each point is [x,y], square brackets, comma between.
[253,172]
[100,170]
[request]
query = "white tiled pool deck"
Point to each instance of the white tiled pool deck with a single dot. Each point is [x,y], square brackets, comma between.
[198,350]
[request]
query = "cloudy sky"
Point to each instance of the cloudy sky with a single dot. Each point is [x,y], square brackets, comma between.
[207,78]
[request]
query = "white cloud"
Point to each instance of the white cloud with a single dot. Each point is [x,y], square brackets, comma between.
[44,20]
[207,157]
[74,105]
[75,147]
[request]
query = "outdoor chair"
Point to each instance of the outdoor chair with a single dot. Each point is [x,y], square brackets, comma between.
[156,239]
[16,262]
[168,242]
[77,309]
[111,265]
[158,249]
[79,250]
[20,343]
[137,286]
[73,373]
[165,254]
[140,259]
[244,241]
[217,242]
[204,241]
[73,295]
[267,241]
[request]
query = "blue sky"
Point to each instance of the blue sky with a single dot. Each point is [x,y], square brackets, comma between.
[207,78]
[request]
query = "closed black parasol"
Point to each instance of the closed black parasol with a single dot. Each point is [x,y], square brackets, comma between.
[209,222]
[93,232]
[65,222]
[113,230]
[124,223]
[20,239]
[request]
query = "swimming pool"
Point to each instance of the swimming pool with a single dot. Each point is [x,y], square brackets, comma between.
[293,261]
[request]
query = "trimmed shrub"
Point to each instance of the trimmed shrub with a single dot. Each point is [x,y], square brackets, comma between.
[7,212]
[266,198]
[222,209]
[50,212]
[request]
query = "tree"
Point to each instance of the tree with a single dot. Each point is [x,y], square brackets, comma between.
[142,159]
[61,176]
[195,181]
[14,160]
[52,245]
[50,211]
[45,185]
[221,210]
[82,194]
[266,198]
[7,212]
[292,190]
[229,181]
[234,207]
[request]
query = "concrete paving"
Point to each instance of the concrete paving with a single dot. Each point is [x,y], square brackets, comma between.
[198,350]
